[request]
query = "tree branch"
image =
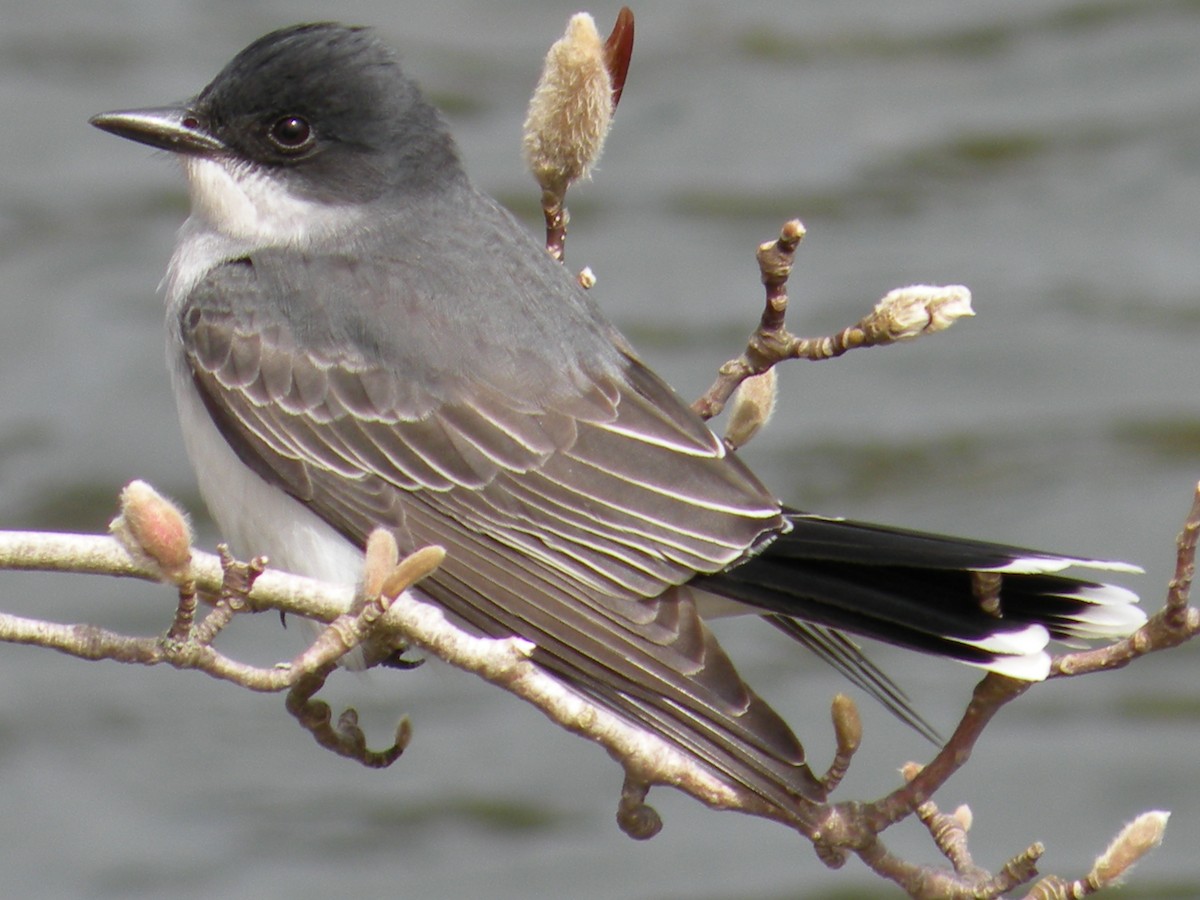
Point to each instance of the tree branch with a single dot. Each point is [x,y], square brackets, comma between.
[902,314]
[387,615]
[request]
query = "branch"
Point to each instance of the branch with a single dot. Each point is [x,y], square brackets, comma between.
[402,620]
[1174,624]
[902,315]
[386,615]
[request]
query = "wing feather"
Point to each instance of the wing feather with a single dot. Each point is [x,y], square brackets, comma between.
[573,499]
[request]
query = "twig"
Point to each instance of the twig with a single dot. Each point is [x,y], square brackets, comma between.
[901,315]
[89,554]
[1175,623]
[990,695]
[634,817]
[503,662]
[346,738]
[771,342]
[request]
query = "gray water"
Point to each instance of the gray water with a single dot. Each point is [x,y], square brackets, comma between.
[1047,154]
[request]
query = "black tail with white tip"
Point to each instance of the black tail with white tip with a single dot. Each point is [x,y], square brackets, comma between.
[917,590]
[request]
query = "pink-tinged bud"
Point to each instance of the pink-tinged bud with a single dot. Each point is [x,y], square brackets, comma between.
[1136,839]
[571,109]
[152,525]
[381,557]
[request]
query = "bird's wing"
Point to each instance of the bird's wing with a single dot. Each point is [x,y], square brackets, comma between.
[568,521]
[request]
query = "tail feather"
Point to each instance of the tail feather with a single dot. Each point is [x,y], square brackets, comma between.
[916,590]
[834,539]
[847,658]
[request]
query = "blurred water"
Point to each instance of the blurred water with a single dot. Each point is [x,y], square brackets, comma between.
[1043,153]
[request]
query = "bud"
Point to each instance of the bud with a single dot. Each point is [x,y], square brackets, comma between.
[411,569]
[847,725]
[152,526]
[571,109]
[751,408]
[909,312]
[381,557]
[964,817]
[953,302]
[1136,839]
[404,731]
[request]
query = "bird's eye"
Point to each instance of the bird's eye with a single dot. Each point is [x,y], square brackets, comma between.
[291,134]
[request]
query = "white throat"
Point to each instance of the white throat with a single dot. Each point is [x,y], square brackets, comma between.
[241,202]
[237,209]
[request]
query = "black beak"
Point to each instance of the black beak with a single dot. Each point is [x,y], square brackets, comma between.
[167,128]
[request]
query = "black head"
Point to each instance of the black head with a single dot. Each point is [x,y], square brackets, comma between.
[325,106]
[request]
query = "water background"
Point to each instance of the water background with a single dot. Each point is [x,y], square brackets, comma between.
[1047,154]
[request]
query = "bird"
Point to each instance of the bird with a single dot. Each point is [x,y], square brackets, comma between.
[358,337]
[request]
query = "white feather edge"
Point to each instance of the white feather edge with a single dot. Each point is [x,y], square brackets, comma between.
[1027,641]
[1040,565]
[1019,654]
[1104,621]
[1035,667]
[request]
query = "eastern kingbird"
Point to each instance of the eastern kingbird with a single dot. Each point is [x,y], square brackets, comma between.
[358,337]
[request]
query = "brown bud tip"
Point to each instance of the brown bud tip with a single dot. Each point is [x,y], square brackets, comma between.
[847,725]
[792,233]
[153,525]
[617,52]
